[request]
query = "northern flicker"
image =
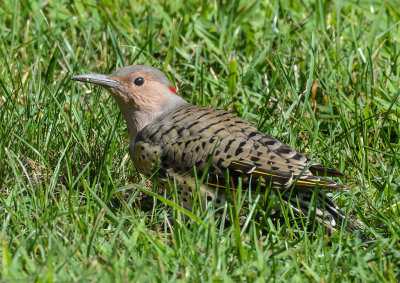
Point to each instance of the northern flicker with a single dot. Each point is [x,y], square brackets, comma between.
[183,137]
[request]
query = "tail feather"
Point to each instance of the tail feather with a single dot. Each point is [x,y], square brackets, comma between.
[320,169]
[311,181]
[326,213]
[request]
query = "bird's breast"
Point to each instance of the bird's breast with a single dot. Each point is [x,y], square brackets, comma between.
[144,156]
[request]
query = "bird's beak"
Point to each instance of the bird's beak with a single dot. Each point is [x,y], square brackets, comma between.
[97,79]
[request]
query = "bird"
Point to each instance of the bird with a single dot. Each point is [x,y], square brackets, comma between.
[179,141]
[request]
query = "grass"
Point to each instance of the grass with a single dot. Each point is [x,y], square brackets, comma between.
[321,76]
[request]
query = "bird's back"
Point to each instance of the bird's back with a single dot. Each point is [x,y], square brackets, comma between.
[191,135]
[202,138]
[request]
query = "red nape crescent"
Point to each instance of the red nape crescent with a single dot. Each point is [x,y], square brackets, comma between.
[171,88]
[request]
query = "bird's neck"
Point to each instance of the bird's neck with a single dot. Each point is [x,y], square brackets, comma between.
[137,119]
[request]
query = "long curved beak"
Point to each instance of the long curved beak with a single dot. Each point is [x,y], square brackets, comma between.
[97,79]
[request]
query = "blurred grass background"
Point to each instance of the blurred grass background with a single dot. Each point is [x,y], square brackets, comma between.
[322,76]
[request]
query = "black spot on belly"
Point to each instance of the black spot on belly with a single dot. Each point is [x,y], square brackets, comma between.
[209,198]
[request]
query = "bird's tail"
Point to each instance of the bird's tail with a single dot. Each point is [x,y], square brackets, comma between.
[324,209]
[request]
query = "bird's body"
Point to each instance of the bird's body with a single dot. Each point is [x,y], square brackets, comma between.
[179,139]
[187,138]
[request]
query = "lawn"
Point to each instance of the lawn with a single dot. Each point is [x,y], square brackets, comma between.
[321,76]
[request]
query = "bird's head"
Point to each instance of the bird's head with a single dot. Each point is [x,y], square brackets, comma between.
[143,93]
[137,86]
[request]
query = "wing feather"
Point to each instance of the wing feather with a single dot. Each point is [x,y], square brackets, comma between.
[190,136]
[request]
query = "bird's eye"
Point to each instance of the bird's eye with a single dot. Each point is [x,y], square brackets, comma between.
[139,81]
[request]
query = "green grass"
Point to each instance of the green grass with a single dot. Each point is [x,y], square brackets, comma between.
[321,76]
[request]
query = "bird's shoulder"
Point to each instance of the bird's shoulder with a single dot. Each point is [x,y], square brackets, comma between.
[192,120]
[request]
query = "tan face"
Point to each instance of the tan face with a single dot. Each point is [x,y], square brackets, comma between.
[131,85]
[138,90]
[136,87]
[133,80]
[143,93]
